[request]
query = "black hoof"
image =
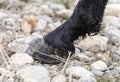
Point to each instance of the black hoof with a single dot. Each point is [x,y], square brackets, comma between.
[45,54]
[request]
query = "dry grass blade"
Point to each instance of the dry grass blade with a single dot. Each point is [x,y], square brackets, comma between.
[4,56]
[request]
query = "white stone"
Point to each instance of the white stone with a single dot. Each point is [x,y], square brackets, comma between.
[21,44]
[41,24]
[82,57]
[113,9]
[94,43]
[47,18]
[99,65]
[112,33]
[66,13]
[6,73]
[111,21]
[33,74]
[57,7]
[77,71]
[45,10]
[20,59]
[59,78]
[26,28]
[87,79]
[114,1]
[3,15]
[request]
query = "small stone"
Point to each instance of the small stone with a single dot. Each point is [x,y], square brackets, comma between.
[77,71]
[45,10]
[59,78]
[28,24]
[33,74]
[97,72]
[3,15]
[113,9]
[66,13]
[82,57]
[20,59]
[111,21]
[56,7]
[7,36]
[22,44]
[115,57]
[6,73]
[47,18]
[114,72]
[113,34]
[41,24]
[87,79]
[99,65]
[94,43]
[26,28]
[114,1]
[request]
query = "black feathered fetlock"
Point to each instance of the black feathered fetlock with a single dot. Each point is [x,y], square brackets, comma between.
[85,20]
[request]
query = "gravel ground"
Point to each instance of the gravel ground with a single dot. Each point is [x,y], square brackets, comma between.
[97,58]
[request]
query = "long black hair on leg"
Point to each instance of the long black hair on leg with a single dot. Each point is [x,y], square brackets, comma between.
[85,20]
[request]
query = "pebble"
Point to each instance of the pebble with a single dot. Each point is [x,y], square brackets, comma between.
[113,9]
[47,18]
[114,72]
[6,73]
[87,79]
[33,74]
[45,10]
[56,7]
[3,15]
[112,33]
[41,24]
[111,21]
[94,43]
[77,71]
[115,57]
[114,1]
[82,57]
[20,59]
[28,24]
[22,44]
[99,65]
[97,72]
[59,78]
[66,13]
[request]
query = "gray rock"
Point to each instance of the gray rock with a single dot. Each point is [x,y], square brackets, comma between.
[97,72]
[111,21]
[56,7]
[41,24]
[113,9]
[33,74]
[22,44]
[112,33]
[114,72]
[87,79]
[82,57]
[20,59]
[115,57]
[47,18]
[99,65]
[94,43]
[7,36]
[3,15]
[114,1]
[59,78]
[77,71]
[66,13]
[45,10]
